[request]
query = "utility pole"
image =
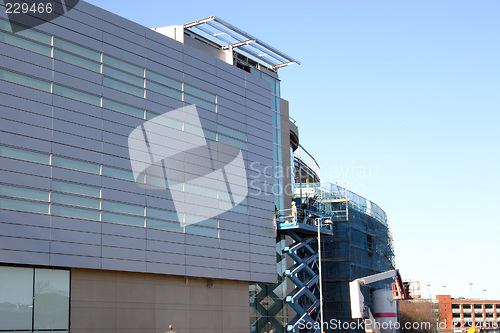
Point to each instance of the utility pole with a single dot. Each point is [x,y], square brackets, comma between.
[320,277]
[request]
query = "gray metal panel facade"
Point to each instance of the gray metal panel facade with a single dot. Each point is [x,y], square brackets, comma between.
[59,140]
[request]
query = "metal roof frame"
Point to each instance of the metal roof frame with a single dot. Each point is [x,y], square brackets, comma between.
[214,28]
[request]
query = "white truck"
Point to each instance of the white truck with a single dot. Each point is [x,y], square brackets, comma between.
[400,291]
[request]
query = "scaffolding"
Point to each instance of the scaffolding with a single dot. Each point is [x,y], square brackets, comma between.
[360,244]
[357,242]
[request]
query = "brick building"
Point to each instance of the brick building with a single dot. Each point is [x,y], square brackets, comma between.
[459,315]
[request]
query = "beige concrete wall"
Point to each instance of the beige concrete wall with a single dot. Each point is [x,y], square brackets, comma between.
[285,144]
[122,302]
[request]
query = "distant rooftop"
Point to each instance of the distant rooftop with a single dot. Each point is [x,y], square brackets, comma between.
[228,37]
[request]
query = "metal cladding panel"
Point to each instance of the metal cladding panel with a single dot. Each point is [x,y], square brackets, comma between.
[77,129]
[124,242]
[77,106]
[231,81]
[25,104]
[122,97]
[126,264]
[120,53]
[163,62]
[115,30]
[206,272]
[125,42]
[22,218]
[200,64]
[25,231]
[75,249]
[166,258]
[161,268]
[89,121]
[192,52]
[231,225]
[166,247]
[160,104]
[21,116]
[25,257]
[198,83]
[203,251]
[257,120]
[203,219]
[63,21]
[24,244]
[122,190]
[25,92]
[71,151]
[199,75]
[75,140]
[159,62]
[71,80]
[77,261]
[72,236]
[89,9]
[92,42]
[117,20]
[24,167]
[231,95]
[70,224]
[41,69]
[261,91]
[14,177]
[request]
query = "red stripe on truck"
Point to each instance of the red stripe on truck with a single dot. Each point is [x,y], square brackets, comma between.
[385,315]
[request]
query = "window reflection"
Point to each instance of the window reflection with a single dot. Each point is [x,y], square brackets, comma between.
[34,299]
[16,298]
[51,299]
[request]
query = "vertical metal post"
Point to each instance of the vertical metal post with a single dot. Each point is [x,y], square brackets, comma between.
[346,202]
[300,179]
[320,278]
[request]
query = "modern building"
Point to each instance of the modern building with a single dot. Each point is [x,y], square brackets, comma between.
[459,315]
[136,176]
[141,171]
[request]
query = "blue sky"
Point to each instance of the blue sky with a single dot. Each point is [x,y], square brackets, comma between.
[401,100]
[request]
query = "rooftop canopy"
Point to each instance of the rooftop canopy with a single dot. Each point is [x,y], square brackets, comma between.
[228,36]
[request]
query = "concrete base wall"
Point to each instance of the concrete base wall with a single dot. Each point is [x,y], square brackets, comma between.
[111,301]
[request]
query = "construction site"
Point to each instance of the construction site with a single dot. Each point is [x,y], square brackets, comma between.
[360,244]
[117,194]
[313,281]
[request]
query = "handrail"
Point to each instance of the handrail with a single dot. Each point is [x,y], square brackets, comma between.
[308,154]
[312,164]
[327,191]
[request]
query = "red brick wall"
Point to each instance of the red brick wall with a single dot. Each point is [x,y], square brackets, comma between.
[445,313]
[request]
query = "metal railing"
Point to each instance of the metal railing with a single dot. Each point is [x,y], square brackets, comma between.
[302,154]
[329,191]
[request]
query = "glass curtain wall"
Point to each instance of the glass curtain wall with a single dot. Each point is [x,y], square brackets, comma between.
[268,311]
